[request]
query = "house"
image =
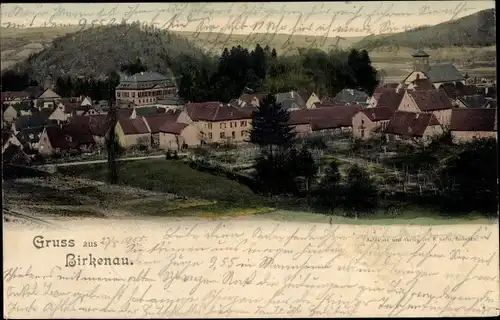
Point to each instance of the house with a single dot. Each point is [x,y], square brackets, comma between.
[58,115]
[48,94]
[290,100]
[437,74]
[390,99]
[472,102]
[367,121]
[420,84]
[86,102]
[327,104]
[177,131]
[220,123]
[8,138]
[33,121]
[491,104]
[97,125]
[30,138]
[170,103]
[250,99]
[377,93]
[325,121]
[351,96]
[428,101]
[145,88]
[65,138]
[156,121]
[14,97]
[412,127]
[470,124]
[34,91]
[45,103]
[13,111]
[133,132]
[309,97]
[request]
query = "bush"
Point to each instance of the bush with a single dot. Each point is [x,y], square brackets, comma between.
[316,142]
[360,193]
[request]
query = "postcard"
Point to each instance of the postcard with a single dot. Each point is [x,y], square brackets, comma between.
[249,160]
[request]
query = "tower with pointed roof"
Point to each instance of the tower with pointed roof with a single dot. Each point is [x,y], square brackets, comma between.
[421,61]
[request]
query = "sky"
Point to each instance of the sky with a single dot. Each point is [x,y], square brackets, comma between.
[343,19]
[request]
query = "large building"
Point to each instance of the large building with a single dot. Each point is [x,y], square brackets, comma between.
[437,74]
[145,88]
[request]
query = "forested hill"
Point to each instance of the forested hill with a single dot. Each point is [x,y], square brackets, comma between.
[474,30]
[98,51]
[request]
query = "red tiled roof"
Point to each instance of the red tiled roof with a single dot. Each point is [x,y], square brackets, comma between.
[214,111]
[378,114]
[173,127]
[97,124]
[392,85]
[10,95]
[423,84]
[68,136]
[156,121]
[134,126]
[327,104]
[325,118]
[480,119]
[410,124]
[455,91]
[380,90]
[249,110]
[124,113]
[390,99]
[430,100]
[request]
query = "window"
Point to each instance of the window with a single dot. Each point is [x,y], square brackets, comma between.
[243,123]
[223,125]
[118,93]
[133,94]
[222,135]
[210,135]
[233,134]
[362,133]
[209,126]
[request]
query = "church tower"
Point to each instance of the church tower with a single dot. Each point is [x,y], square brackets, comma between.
[421,61]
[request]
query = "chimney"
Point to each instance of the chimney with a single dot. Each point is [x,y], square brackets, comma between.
[291,93]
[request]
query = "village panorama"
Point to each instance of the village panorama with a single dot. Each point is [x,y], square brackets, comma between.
[250,132]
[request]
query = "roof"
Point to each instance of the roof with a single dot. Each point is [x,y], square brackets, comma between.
[134,126]
[49,94]
[491,104]
[145,80]
[327,104]
[30,121]
[351,95]
[410,124]
[34,91]
[380,90]
[144,111]
[68,136]
[423,84]
[156,121]
[481,119]
[430,100]
[173,127]
[305,94]
[420,53]
[444,73]
[390,99]
[30,135]
[392,85]
[96,124]
[455,91]
[378,114]
[475,101]
[288,99]
[172,101]
[248,97]
[125,113]
[324,118]
[12,95]
[5,136]
[215,111]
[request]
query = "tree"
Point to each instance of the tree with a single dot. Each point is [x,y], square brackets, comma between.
[270,129]
[361,193]
[134,67]
[329,189]
[306,166]
[469,181]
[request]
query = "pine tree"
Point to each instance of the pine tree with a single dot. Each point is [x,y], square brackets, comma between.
[270,129]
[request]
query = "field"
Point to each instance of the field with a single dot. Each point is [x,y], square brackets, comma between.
[171,189]
[17,44]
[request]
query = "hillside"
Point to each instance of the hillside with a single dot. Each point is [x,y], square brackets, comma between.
[17,44]
[98,51]
[475,30]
